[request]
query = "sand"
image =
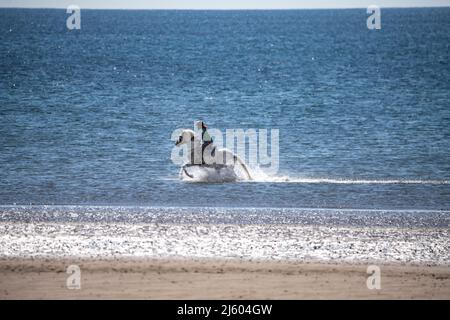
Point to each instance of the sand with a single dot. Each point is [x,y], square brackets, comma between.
[216,279]
[154,253]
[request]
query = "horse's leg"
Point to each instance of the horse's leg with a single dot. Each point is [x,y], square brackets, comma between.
[185,171]
[236,158]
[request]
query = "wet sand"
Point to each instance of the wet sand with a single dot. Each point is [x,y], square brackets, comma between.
[216,279]
[148,253]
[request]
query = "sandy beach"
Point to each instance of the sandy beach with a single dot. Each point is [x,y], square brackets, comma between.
[213,150]
[216,279]
[167,254]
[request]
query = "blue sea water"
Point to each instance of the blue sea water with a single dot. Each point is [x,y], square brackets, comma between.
[86,115]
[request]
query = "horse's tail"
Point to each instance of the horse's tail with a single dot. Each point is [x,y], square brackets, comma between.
[242,163]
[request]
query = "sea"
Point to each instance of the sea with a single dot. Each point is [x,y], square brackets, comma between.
[88,115]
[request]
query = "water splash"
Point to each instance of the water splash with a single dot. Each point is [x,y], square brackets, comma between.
[202,174]
[260,176]
[207,174]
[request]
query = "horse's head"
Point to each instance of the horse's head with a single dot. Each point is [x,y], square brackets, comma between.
[185,137]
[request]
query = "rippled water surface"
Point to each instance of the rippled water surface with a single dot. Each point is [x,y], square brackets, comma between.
[86,116]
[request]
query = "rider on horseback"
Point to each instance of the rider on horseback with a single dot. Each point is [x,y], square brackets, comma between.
[206,138]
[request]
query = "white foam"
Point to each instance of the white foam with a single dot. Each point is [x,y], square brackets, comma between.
[206,174]
[202,174]
[259,175]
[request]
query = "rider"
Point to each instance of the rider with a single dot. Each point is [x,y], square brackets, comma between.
[206,138]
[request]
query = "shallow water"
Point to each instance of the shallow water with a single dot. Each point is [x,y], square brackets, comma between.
[225,215]
[308,235]
[86,116]
[86,119]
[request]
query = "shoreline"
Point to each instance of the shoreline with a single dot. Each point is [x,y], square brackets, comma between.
[216,279]
[221,254]
[366,245]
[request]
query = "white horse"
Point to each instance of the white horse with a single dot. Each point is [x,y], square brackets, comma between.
[213,157]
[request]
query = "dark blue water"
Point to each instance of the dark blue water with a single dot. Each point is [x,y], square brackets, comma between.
[86,115]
